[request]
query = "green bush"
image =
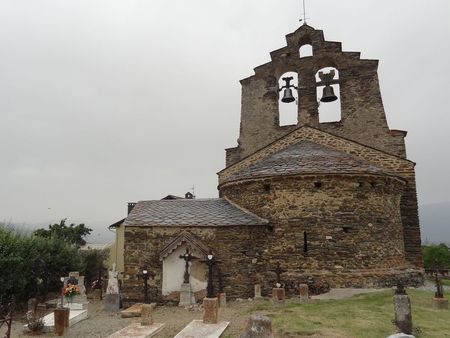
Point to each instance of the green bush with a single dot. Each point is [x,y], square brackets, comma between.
[32,266]
[436,253]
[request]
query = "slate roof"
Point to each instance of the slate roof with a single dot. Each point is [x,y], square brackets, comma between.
[190,212]
[306,157]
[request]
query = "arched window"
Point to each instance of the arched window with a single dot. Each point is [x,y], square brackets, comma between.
[288,99]
[328,94]
[305,50]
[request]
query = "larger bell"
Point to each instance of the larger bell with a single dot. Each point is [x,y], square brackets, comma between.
[328,94]
[287,96]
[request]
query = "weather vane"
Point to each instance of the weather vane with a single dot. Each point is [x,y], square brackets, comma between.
[304,14]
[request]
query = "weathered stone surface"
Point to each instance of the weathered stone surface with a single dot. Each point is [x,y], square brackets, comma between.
[198,329]
[132,311]
[211,310]
[147,314]
[59,321]
[402,309]
[111,302]
[401,335]
[258,326]
[303,293]
[135,330]
[186,295]
[222,300]
[440,303]
[278,295]
[257,291]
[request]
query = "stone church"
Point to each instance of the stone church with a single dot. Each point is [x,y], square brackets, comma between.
[335,201]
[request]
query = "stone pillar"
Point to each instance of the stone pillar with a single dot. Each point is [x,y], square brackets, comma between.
[440,303]
[186,295]
[278,295]
[146,314]
[258,291]
[222,299]
[402,308]
[211,314]
[304,293]
[258,326]
[60,315]
[66,317]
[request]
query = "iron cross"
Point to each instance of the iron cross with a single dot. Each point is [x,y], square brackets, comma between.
[278,271]
[187,256]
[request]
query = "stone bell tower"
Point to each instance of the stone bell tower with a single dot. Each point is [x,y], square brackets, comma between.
[362,116]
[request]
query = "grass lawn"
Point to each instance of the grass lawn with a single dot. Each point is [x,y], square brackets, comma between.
[364,316]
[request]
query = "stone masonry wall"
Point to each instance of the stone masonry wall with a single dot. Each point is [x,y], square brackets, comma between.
[239,249]
[362,114]
[397,165]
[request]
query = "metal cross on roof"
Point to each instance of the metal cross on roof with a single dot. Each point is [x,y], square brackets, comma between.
[304,14]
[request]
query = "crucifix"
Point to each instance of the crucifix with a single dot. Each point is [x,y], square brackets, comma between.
[187,256]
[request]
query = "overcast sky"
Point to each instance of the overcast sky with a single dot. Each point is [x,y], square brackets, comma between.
[105,102]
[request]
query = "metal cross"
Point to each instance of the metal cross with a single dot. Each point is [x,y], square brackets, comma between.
[187,256]
[145,275]
[304,13]
[437,279]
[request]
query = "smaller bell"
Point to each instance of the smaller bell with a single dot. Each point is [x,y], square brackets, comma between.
[287,96]
[328,94]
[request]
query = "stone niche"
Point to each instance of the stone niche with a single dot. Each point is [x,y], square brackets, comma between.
[173,272]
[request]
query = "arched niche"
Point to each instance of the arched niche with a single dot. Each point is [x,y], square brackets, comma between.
[328,111]
[305,50]
[288,112]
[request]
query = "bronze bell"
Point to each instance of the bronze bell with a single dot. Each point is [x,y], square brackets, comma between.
[287,96]
[328,94]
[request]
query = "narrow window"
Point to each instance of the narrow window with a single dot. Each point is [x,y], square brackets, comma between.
[288,98]
[305,242]
[305,50]
[328,95]
[318,185]
[267,188]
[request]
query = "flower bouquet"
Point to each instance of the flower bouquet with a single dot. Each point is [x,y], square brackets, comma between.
[71,291]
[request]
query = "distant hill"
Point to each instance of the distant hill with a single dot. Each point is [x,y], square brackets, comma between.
[435,222]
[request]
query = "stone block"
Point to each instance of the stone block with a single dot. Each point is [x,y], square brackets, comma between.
[402,309]
[258,326]
[303,293]
[258,291]
[278,295]
[59,321]
[186,295]
[222,299]
[211,310]
[111,302]
[147,314]
[440,303]
[133,311]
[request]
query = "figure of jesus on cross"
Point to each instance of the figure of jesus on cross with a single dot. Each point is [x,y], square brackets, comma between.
[187,256]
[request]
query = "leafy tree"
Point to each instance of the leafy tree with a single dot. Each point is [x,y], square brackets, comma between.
[72,234]
[433,253]
[93,261]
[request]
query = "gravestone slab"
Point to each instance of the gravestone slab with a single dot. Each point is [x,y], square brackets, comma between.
[304,293]
[440,303]
[278,295]
[258,326]
[111,302]
[75,316]
[211,311]
[222,299]
[198,329]
[136,330]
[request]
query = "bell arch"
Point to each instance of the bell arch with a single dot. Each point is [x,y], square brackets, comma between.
[288,99]
[328,94]
[305,50]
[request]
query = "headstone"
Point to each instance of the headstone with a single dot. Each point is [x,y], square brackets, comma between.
[186,295]
[78,302]
[146,314]
[258,326]
[258,291]
[222,299]
[402,309]
[278,295]
[304,293]
[32,304]
[112,297]
[211,311]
